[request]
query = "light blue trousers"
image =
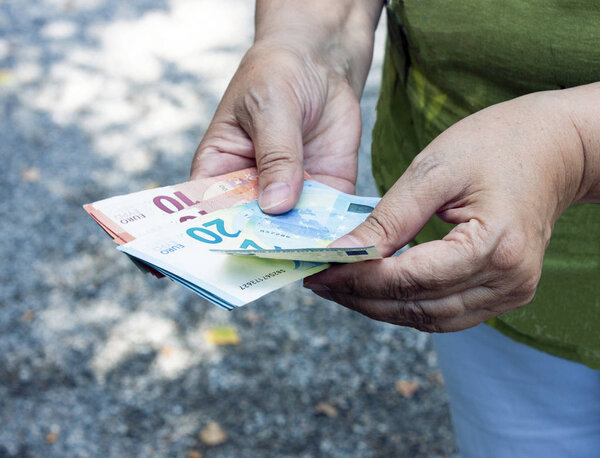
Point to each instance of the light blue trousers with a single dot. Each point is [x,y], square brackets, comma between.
[510,400]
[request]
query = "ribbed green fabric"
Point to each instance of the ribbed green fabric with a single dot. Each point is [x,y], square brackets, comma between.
[447,59]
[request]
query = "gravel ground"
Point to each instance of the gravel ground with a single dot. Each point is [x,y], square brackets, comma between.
[99,98]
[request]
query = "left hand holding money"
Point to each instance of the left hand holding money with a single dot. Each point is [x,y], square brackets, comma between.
[503,176]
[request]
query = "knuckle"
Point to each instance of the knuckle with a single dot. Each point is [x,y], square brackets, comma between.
[413,312]
[404,284]
[264,99]
[427,166]
[418,314]
[473,247]
[510,253]
[527,289]
[473,241]
[276,159]
[401,286]
[257,99]
[512,291]
[352,285]
[455,307]
[383,224]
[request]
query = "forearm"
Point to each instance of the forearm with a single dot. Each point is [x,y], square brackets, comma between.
[341,32]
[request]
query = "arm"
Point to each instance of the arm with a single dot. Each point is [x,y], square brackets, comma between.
[503,175]
[582,107]
[293,102]
[341,32]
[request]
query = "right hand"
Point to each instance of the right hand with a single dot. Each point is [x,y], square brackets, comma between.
[287,109]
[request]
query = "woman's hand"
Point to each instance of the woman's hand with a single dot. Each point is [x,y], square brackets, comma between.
[503,176]
[293,103]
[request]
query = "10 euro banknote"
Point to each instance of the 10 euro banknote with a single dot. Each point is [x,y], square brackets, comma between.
[130,216]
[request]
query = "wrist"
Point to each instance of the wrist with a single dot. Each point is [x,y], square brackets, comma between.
[581,106]
[338,35]
[560,154]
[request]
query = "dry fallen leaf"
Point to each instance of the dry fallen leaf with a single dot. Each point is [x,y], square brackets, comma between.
[6,77]
[436,378]
[224,335]
[27,316]
[194,454]
[51,438]
[166,351]
[308,300]
[213,434]
[30,175]
[407,388]
[252,317]
[324,408]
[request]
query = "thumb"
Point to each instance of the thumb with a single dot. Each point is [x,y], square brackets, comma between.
[274,125]
[404,209]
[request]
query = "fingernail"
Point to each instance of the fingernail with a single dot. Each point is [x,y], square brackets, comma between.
[347,241]
[320,290]
[274,195]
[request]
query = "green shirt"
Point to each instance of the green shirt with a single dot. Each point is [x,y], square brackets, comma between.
[447,59]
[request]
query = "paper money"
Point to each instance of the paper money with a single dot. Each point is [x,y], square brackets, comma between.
[237,196]
[151,213]
[183,252]
[133,215]
[328,255]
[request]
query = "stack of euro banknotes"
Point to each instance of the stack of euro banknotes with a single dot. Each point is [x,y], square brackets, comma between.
[211,236]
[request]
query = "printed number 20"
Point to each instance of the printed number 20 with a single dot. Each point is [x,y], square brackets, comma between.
[195,232]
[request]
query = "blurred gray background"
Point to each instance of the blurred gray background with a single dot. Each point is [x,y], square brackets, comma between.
[104,97]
